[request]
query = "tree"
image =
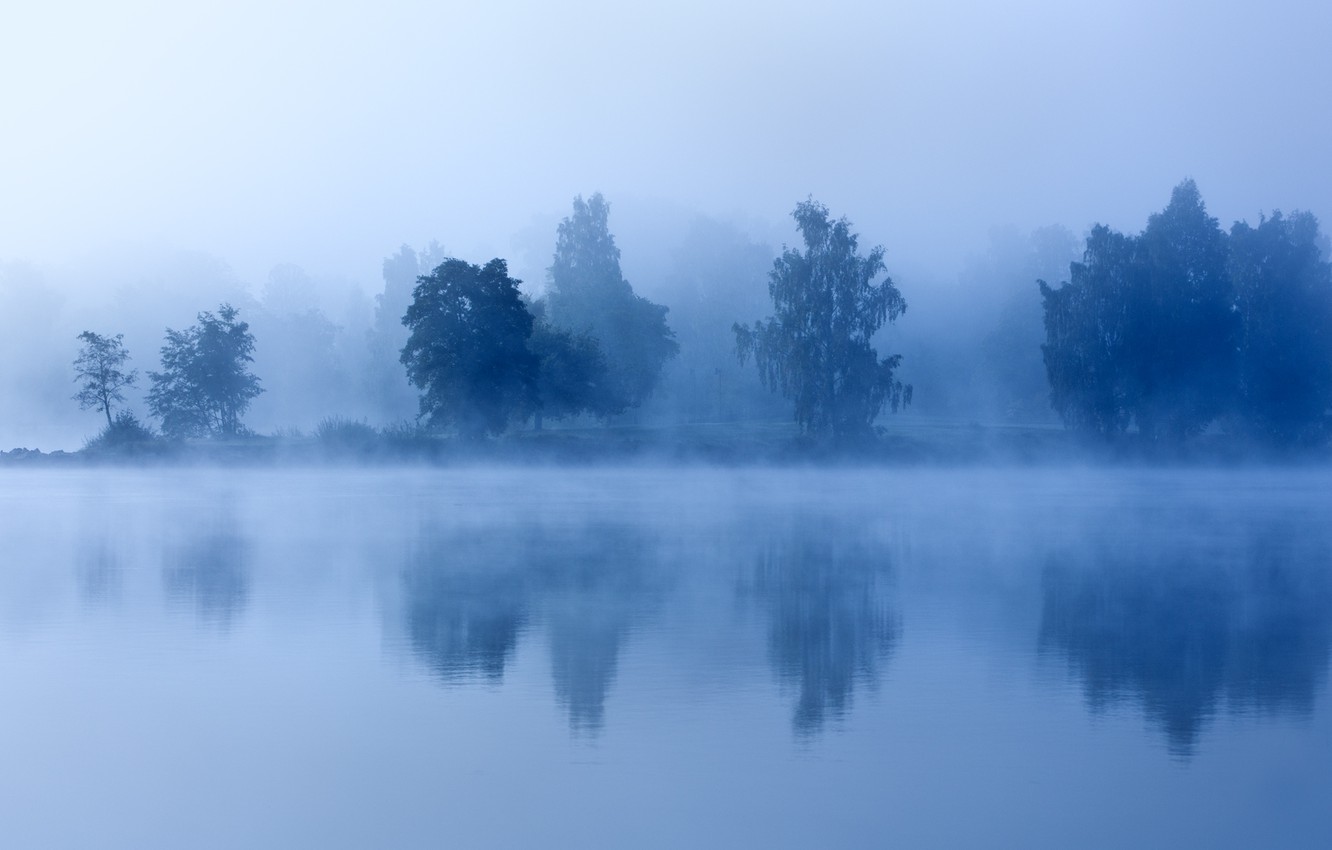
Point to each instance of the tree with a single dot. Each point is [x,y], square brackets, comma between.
[571,373]
[1144,331]
[467,348]
[588,294]
[1086,335]
[205,387]
[99,369]
[1283,295]
[1183,331]
[816,348]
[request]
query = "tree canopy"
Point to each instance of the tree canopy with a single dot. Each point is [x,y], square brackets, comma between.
[1283,297]
[1087,336]
[572,377]
[1183,332]
[1180,326]
[467,348]
[816,348]
[205,385]
[99,370]
[588,294]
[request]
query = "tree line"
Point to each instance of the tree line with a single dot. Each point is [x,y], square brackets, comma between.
[1162,334]
[1184,326]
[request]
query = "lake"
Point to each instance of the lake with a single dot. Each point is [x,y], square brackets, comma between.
[665,658]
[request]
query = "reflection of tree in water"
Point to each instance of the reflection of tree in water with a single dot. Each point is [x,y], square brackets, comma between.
[1185,633]
[830,624]
[595,586]
[471,593]
[99,573]
[210,572]
[465,605]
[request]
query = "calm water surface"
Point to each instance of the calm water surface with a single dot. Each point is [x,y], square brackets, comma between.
[664,658]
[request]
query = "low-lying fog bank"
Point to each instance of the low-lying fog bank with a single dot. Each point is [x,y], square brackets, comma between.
[908,443]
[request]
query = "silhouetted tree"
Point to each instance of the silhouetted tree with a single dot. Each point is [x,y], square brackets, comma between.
[100,371]
[572,377]
[205,386]
[1184,332]
[588,293]
[1283,294]
[1144,332]
[467,349]
[1087,333]
[816,348]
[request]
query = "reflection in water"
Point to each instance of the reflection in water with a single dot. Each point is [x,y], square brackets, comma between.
[830,626]
[596,586]
[463,612]
[99,573]
[471,594]
[1187,630]
[210,571]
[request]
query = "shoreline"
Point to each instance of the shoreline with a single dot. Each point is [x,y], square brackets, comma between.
[738,445]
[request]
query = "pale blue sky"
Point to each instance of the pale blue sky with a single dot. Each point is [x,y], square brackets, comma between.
[326,134]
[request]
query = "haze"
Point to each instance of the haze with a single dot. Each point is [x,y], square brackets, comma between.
[326,134]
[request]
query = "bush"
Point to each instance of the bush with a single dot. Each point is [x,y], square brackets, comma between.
[335,432]
[125,432]
[291,433]
[408,438]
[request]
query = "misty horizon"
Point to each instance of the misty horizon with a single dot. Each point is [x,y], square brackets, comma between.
[327,138]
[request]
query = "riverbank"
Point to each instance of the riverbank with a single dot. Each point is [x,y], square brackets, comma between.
[906,442]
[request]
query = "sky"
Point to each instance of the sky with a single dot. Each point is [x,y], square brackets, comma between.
[326,134]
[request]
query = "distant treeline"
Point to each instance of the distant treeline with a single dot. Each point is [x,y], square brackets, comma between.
[1154,338]
[1183,326]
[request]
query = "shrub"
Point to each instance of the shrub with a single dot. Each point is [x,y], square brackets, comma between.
[125,432]
[336,432]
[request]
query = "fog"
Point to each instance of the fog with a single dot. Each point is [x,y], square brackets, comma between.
[160,159]
[327,134]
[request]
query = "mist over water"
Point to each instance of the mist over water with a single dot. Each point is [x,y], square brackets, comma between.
[664,657]
[744,424]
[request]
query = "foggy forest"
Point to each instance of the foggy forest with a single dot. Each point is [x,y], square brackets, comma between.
[1141,341]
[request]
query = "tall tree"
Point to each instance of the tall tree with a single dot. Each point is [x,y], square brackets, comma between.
[1087,335]
[100,371]
[205,386]
[467,348]
[816,347]
[1144,331]
[588,293]
[1283,295]
[1184,332]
